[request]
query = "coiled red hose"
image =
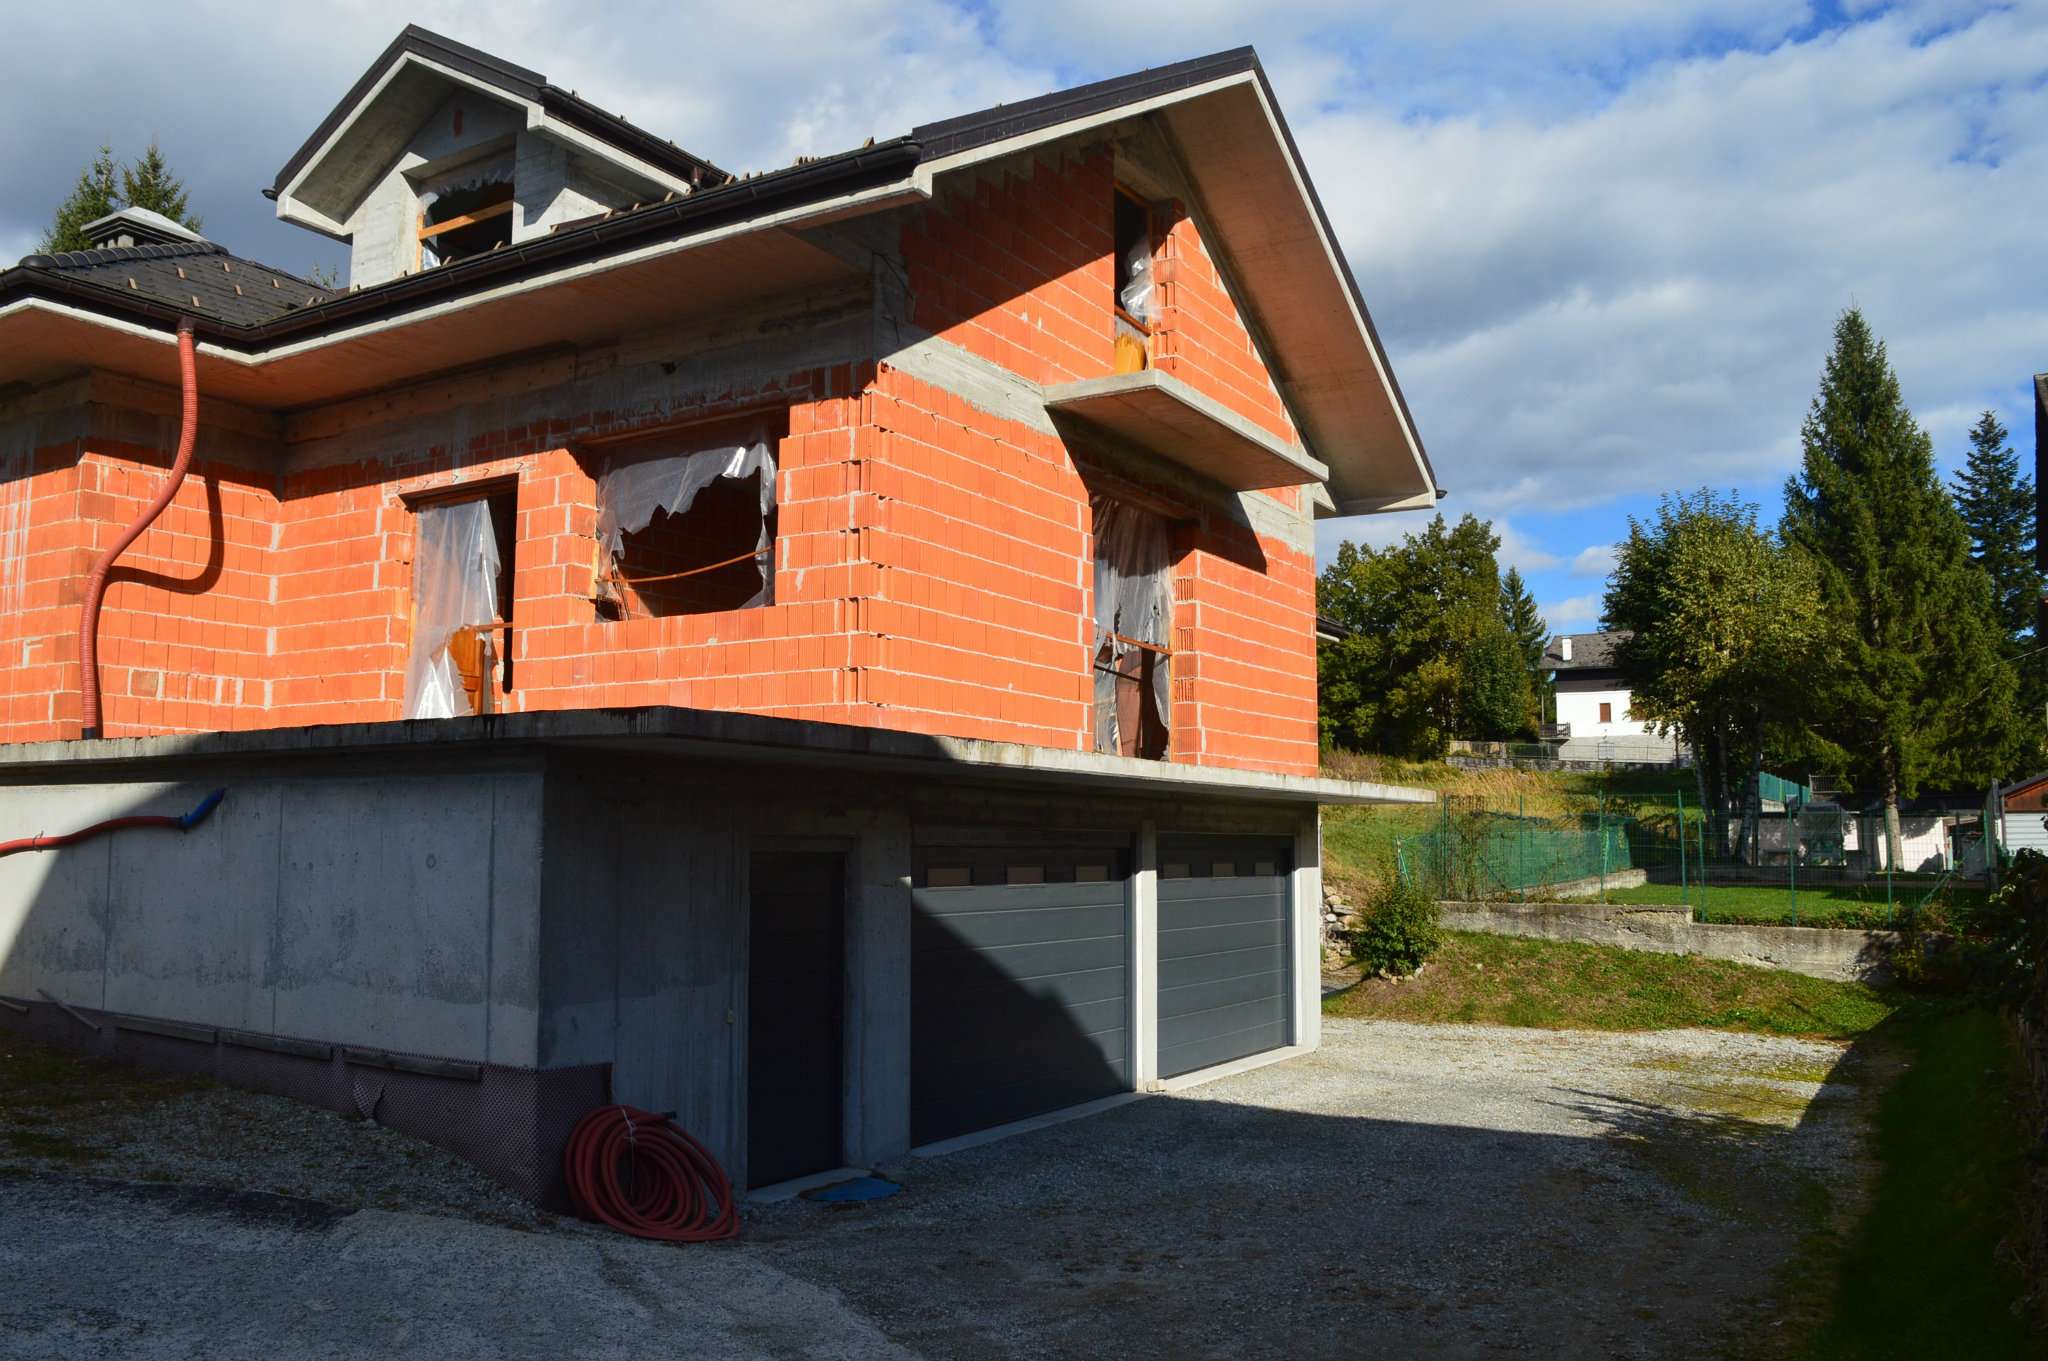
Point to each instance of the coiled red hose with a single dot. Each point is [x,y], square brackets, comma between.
[673,1189]
[96,584]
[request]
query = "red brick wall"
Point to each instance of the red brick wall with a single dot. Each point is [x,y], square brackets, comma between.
[1018,270]
[1198,335]
[933,564]
[181,640]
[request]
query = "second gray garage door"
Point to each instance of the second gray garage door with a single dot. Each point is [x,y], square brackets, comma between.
[1224,974]
[1019,985]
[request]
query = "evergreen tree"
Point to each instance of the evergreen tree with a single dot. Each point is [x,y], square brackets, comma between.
[1917,688]
[1525,624]
[1997,504]
[1424,662]
[94,196]
[105,185]
[150,184]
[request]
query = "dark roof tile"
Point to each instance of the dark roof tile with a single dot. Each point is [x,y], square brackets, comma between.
[200,277]
[1590,651]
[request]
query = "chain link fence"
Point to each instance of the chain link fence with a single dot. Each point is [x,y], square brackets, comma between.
[1786,861]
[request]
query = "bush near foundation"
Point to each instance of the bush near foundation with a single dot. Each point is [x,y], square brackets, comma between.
[1399,929]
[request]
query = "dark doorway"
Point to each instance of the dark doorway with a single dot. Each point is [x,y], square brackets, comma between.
[796,986]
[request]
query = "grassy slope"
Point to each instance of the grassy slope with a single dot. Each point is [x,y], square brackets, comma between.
[1358,842]
[1927,1275]
[1501,980]
[1856,905]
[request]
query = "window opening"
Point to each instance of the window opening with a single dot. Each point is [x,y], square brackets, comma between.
[1606,713]
[690,531]
[1134,310]
[1133,631]
[467,213]
[462,602]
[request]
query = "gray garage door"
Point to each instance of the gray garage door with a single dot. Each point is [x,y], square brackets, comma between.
[1223,949]
[1019,985]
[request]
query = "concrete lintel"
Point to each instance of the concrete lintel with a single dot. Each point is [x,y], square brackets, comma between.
[665,730]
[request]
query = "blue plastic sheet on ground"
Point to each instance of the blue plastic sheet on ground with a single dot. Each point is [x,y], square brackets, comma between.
[853,1189]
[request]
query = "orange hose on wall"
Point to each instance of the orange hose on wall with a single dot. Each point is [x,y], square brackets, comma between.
[96,584]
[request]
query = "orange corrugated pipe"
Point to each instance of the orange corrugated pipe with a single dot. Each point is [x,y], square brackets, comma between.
[96,584]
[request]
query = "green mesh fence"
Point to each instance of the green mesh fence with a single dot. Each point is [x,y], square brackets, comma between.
[1478,854]
[1799,865]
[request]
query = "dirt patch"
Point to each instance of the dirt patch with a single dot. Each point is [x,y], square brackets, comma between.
[69,1116]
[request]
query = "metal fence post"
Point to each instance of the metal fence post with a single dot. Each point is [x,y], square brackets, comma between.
[1603,847]
[1792,855]
[1684,890]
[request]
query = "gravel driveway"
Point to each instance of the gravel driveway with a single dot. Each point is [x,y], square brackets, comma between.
[1407,1192]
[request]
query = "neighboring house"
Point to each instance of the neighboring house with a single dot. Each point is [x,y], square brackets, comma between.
[829,653]
[1593,720]
[2023,815]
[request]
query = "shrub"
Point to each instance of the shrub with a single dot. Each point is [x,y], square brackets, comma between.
[1400,928]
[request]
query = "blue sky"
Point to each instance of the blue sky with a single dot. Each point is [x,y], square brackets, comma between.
[1604,240]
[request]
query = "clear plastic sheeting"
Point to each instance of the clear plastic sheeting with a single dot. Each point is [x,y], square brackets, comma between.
[1136,294]
[630,495]
[1133,605]
[475,175]
[455,584]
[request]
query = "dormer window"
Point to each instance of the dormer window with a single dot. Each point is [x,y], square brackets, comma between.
[465,213]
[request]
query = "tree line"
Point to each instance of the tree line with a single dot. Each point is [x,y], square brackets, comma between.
[1438,644]
[1881,633]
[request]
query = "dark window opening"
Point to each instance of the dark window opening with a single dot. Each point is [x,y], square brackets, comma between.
[460,223]
[1134,299]
[1133,631]
[462,604]
[686,520]
[707,559]
[482,653]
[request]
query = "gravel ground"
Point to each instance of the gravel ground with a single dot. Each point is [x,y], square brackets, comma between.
[1408,1191]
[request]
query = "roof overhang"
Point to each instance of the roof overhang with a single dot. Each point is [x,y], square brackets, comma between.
[1159,413]
[1260,217]
[710,734]
[716,249]
[1258,212]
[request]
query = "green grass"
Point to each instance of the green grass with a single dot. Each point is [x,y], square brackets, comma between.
[1860,906]
[1565,985]
[1927,1274]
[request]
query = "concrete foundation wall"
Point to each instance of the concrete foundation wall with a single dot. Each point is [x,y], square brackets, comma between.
[1818,952]
[389,910]
[538,910]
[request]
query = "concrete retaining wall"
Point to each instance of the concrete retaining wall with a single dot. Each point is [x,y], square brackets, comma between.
[388,907]
[1818,952]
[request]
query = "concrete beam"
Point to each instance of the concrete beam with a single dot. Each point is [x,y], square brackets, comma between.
[664,730]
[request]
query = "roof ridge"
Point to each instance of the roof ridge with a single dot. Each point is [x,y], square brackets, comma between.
[107,255]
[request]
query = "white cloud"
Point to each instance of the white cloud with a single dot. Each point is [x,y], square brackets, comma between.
[1604,240]
[1519,550]
[1573,614]
[1643,289]
[1596,560]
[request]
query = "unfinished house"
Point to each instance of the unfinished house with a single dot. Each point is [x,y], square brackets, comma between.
[828,652]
